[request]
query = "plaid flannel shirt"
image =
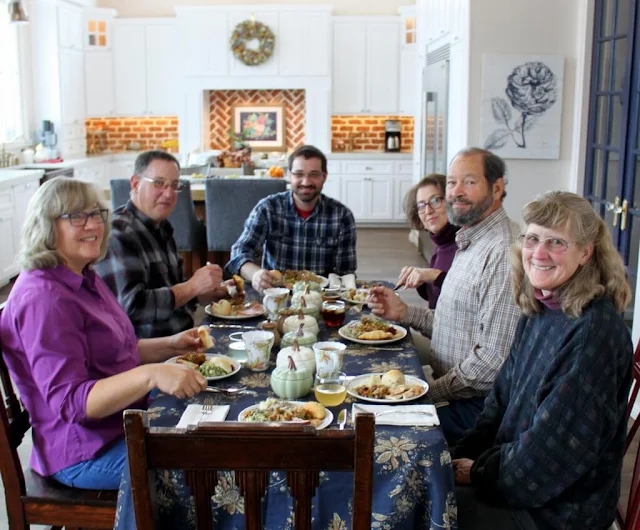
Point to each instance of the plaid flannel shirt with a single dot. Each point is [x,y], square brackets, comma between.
[141,266]
[475,320]
[325,242]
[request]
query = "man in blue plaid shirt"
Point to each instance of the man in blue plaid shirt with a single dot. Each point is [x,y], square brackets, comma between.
[299,229]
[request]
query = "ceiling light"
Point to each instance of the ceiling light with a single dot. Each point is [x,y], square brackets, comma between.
[17,14]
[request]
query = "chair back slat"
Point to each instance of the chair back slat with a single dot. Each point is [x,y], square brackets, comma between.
[252,451]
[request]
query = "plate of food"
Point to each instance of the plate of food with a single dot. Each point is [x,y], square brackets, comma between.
[388,388]
[290,277]
[230,311]
[212,365]
[355,296]
[276,410]
[371,330]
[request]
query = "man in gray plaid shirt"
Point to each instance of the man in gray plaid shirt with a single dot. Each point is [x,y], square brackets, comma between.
[473,325]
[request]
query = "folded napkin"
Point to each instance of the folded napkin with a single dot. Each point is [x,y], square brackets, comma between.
[193,415]
[348,281]
[400,414]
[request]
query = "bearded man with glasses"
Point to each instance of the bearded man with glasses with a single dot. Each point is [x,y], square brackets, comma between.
[143,267]
[301,229]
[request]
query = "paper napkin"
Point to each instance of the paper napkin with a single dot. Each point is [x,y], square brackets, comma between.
[400,414]
[193,415]
[348,281]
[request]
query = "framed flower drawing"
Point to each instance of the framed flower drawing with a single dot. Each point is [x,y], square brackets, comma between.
[261,125]
[522,105]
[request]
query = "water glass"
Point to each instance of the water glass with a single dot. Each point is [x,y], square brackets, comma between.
[330,389]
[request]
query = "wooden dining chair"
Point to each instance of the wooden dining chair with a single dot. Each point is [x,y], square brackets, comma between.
[629,518]
[252,451]
[31,498]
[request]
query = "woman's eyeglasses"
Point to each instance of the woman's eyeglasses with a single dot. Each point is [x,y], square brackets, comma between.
[98,215]
[434,202]
[161,184]
[554,245]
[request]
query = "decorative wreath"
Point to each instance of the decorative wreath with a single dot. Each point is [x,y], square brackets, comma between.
[247,31]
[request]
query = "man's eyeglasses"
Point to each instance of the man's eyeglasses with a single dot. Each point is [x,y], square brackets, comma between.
[554,245]
[161,184]
[311,174]
[434,202]
[98,215]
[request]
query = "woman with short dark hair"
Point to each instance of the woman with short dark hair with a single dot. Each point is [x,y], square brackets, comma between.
[546,452]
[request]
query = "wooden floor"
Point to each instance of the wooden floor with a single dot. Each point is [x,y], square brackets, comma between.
[381,255]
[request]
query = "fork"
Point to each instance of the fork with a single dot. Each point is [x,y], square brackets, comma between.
[207,408]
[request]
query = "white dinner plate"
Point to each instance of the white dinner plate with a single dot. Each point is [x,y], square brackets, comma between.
[323,424]
[349,301]
[236,365]
[410,380]
[259,313]
[402,333]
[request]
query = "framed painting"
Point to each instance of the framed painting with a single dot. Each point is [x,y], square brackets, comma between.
[261,125]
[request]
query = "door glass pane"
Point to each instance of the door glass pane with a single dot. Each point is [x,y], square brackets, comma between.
[608,17]
[620,64]
[623,24]
[611,177]
[636,192]
[599,161]
[600,136]
[604,66]
[615,117]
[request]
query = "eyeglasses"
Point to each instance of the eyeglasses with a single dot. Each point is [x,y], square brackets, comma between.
[82,218]
[311,174]
[554,245]
[434,202]
[161,184]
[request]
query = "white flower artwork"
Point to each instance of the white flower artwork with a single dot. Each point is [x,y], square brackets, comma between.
[522,105]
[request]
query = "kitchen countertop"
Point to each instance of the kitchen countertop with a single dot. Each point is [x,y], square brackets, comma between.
[9,177]
[343,155]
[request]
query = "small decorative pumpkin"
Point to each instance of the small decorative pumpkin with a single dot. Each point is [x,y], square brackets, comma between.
[301,286]
[293,322]
[291,382]
[304,338]
[308,298]
[302,355]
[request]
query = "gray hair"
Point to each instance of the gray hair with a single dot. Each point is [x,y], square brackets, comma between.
[54,198]
[494,166]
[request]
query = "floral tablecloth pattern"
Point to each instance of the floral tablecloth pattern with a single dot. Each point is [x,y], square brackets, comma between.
[413,478]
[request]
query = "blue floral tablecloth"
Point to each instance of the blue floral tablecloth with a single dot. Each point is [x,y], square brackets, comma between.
[413,479]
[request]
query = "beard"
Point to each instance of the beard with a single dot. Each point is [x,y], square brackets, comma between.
[471,216]
[310,194]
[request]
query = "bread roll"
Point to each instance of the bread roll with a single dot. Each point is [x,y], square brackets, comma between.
[223,307]
[276,275]
[224,363]
[239,282]
[376,334]
[203,334]
[188,364]
[393,378]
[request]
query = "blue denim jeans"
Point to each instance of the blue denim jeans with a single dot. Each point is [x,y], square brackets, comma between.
[101,473]
[458,417]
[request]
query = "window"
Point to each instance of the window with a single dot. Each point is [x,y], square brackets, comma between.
[11,118]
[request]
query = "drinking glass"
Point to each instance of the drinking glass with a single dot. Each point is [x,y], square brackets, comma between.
[330,389]
[333,313]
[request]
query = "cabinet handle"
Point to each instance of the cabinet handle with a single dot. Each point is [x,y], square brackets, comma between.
[368,168]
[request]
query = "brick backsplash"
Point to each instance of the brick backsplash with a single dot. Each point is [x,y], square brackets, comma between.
[221,102]
[147,131]
[372,129]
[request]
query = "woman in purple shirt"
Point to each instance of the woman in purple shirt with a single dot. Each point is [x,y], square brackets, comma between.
[71,349]
[425,209]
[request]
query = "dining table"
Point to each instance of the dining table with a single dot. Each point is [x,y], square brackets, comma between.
[413,484]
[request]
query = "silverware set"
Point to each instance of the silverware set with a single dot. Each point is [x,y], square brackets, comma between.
[230,391]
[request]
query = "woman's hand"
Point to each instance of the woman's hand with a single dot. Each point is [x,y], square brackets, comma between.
[177,380]
[414,277]
[187,341]
[385,303]
[462,470]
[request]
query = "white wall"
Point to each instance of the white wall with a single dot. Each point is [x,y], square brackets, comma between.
[164,8]
[527,27]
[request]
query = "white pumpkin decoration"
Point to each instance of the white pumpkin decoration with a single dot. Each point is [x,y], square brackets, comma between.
[293,322]
[308,298]
[302,356]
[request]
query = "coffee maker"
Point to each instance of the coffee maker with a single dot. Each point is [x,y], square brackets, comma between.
[392,129]
[49,138]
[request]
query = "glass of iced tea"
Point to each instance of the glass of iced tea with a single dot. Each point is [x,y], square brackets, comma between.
[333,313]
[330,389]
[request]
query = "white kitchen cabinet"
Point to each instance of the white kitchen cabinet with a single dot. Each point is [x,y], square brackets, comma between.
[98,68]
[98,28]
[402,184]
[7,237]
[145,64]
[370,197]
[303,43]
[120,169]
[94,172]
[331,187]
[354,195]
[204,44]
[72,86]
[21,194]
[365,65]
[70,27]
[408,81]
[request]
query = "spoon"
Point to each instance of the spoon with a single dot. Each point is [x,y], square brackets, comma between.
[342,418]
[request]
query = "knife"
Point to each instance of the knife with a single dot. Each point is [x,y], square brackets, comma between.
[235,326]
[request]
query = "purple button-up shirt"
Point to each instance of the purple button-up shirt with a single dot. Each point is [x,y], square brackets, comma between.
[60,334]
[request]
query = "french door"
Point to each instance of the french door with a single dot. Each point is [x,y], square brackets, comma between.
[612,179]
